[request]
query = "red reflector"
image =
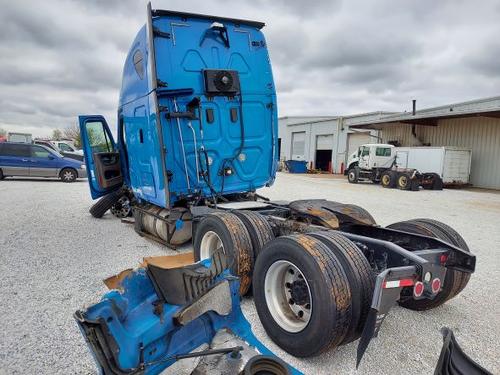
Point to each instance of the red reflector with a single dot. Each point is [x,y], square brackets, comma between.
[397,283]
[436,285]
[443,258]
[418,289]
[406,282]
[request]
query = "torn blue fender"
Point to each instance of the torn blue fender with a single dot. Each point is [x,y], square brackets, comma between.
[135,330]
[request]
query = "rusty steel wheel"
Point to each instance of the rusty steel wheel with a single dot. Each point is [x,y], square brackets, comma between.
[225,230]
[388,179]
[404,181]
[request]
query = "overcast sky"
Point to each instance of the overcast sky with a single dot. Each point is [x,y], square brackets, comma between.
[59,59]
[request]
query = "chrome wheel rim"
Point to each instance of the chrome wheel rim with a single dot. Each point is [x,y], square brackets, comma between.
[351,176]
[288,296]
[209,244]
[385,180]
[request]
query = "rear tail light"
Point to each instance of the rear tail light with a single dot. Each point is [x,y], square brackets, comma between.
[418,289]
[436,285]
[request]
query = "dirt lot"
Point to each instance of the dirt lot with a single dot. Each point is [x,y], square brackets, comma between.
[54,255]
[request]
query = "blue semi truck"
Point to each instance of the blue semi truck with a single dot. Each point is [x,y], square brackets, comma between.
[196,137]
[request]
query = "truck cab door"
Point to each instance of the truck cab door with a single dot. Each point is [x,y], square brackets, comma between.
[102,157]
[383,157]
[364,157]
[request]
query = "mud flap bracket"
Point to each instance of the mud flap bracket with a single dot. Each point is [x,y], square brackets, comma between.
[383,300]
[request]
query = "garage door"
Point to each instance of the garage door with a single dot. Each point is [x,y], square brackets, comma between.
[324,142]
[298,145]
[356,140]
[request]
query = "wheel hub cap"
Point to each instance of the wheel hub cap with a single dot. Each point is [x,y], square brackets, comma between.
[299,292]
[288,296]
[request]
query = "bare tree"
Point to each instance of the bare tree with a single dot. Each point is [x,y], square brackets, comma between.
[73,132]
[56,135]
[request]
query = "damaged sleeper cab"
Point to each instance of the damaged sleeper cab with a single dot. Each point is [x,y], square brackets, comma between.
[197,136]
[169,310]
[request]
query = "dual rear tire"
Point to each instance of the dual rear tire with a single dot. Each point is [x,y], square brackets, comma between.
[312,292]
[241,234]
[388,179]
[455,281]
[401,180]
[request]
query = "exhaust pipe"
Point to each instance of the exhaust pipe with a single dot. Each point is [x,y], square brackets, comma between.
[414,110]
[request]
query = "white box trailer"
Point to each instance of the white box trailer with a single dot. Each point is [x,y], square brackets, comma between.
[19,137]
[452,164]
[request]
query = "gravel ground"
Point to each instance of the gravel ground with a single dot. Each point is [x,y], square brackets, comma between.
[54,256]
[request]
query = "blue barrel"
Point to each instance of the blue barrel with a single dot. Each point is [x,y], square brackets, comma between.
[296,166]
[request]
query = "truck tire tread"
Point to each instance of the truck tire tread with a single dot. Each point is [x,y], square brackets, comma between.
[237,244]
[360,276]
[456,239]
[99,208]
[455,280]
[258,227]
[331,314]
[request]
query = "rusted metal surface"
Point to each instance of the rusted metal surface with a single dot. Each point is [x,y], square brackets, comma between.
[285,227]
[330,214]
[114,282]
[243,253]
[340,293]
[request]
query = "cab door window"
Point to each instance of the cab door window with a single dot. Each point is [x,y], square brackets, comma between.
[383,151]
[98,137]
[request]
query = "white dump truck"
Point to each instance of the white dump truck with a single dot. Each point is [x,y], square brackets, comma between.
[408,168]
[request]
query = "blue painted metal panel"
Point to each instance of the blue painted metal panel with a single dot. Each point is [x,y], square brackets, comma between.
[133,85]
[95,190]
[181,57]
[139,335]
[141,149]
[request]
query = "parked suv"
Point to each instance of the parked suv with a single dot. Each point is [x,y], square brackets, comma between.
[23,159]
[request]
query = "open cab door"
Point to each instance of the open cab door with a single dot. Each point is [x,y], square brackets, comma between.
[101,156]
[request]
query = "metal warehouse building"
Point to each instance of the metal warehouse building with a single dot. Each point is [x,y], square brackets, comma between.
[474,124]
[324,142]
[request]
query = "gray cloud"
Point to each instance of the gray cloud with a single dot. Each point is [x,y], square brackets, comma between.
[62,58]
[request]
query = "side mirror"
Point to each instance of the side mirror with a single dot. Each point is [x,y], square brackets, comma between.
[51,157]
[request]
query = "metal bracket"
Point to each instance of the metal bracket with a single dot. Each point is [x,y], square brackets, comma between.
[162,34]
[217,299]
